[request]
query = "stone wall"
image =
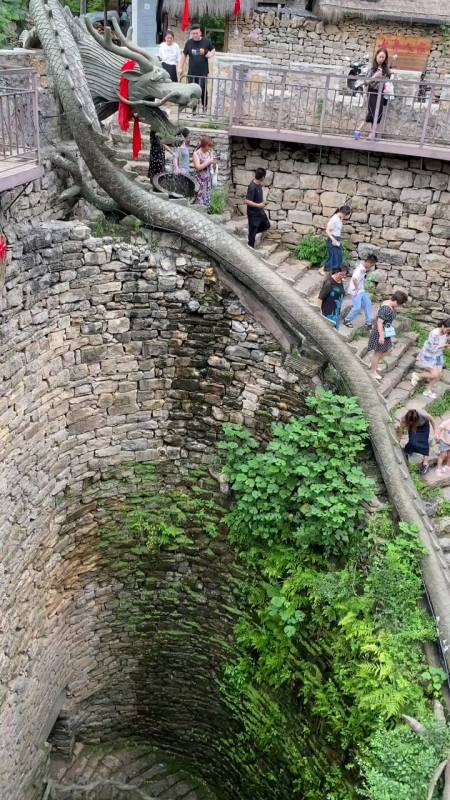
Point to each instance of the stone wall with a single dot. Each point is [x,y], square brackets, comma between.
[401,208]
[114,354]
[289,38]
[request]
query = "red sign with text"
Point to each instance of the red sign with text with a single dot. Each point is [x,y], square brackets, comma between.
[412,51]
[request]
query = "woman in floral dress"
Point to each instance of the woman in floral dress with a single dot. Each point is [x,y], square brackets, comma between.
[383,332]
[204,162]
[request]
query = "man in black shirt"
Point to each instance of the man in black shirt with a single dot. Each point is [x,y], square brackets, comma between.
[332,295]
[258,221]
[199,51]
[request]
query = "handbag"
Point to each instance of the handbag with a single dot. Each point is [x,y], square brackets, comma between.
[388,90]
[389,332]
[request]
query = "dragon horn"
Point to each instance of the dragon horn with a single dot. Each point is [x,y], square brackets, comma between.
[124,52]
[129,44]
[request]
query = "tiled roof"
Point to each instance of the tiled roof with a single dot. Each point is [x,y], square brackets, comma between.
[426,11]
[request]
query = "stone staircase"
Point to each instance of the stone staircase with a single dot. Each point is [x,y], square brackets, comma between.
[397,366]
[123,770]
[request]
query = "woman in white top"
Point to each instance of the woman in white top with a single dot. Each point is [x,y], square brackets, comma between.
[170,54]
[334,239]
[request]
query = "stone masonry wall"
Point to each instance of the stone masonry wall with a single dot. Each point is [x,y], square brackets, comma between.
[401,209]
[289,38]
[112,354]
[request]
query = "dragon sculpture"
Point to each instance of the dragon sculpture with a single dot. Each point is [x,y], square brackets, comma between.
[238,263]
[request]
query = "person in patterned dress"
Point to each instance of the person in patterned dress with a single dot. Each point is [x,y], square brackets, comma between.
[204,161]
[383,332]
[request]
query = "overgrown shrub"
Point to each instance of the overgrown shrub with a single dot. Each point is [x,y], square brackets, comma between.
[334,624]
[314,249]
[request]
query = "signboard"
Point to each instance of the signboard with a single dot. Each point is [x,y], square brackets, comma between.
[144,23]
[412,51]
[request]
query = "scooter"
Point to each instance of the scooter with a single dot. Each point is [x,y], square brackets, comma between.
[354,82]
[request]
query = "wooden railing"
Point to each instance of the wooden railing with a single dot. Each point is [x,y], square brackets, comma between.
[309,106]
[19,127]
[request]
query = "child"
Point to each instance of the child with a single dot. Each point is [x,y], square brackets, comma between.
[443,441]
[332,295]
[258,221]
[181,156]
[431,358]
[356,289]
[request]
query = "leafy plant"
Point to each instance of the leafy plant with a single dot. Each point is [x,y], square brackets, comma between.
[314,249]
[13,14]
[445,32]
[398,764]
[333,621]
[219,201]
[440,406]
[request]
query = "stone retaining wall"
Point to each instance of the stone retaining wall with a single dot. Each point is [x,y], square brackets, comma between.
[113,354]
[401,209]
[289,38]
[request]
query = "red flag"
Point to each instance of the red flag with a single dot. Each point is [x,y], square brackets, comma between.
[185,17]
[237,7]
[125,112]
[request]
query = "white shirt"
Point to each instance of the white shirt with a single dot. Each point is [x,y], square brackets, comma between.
[356,285]
[335,226]
[169,53]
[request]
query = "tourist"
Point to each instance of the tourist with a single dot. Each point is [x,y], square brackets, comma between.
[332,294]
[360,299]
[334,239]
[383,331]
[417,424]
[170,54]
[258,221]
[431,358]
[199,51]
[443,442]
[377,74]
[204,161]
[181,160]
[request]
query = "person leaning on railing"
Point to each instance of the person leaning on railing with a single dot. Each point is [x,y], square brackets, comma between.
[378,73]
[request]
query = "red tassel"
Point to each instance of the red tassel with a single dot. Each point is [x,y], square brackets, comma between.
[3,249]
[137,140]
[237,8]
[125,113]
[185,17]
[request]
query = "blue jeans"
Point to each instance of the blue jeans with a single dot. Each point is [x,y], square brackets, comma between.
[360,302]
[334,256]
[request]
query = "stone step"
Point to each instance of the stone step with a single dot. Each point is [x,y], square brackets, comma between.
[292,271]
[434,480]
[420,401]
[396,374]
[401,346]
[309,283]
[280,256]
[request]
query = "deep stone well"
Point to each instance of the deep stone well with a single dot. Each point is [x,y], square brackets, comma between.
[401,208]
[115,356]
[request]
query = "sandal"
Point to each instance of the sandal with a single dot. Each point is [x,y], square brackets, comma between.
[348,324]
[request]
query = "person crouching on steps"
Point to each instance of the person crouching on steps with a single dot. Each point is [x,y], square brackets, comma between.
[418,424]
[258,221]
[360,299]
[332,295]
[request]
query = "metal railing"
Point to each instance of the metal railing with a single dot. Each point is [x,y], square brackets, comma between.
[19,125]
[321,103]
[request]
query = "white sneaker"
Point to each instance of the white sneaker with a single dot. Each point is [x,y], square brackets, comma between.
[414,379]
[430,393]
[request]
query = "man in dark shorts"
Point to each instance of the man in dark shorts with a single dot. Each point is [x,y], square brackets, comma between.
[332,294]
[199,51]
[258,221]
